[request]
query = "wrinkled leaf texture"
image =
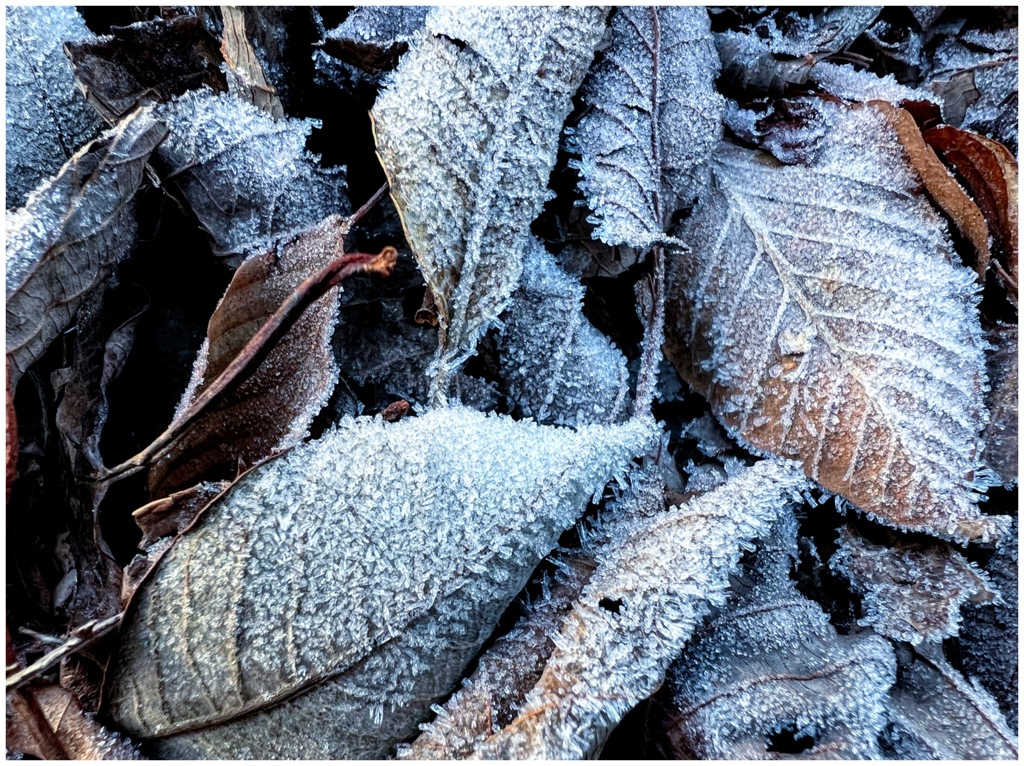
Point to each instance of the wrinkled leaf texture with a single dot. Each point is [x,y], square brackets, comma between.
[823,316]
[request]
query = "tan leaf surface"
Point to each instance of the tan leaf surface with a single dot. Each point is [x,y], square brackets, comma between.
[246,77]
[823,315]
[71,233]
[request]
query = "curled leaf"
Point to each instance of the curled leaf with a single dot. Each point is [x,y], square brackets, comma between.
[821,313]
[467,189]
[247,177]
[71,233]
[555,366]
[385,553]
[148,62]
[657,576]
[47,118]
[769,667]
[911,592]
[654,119]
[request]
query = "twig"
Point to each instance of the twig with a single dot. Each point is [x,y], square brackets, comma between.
[81,638]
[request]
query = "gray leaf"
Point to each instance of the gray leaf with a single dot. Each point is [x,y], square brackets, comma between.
[770,662]
[247,177]
[468,132]
[360,572]
[822,314]
[71,233]
[655,119]
[47,117]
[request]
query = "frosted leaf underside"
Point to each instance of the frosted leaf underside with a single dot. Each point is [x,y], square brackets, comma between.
[467,131]
[822,315]
[383,553]
[70,235]
[654,119]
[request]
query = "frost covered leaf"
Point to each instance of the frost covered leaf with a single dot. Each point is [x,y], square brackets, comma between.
[47,118]
[71,233]
[657,576]
[939,715]
[245,76]
[770,664]
[468,187]
[911,592]
[555,366]
[654,119]
[385,554]
[988,640]
[824,318]
[489,699]
[1001,434]
[373,38]
[247,177]
[74,731]
[151,61]
[845,82]
[273,408]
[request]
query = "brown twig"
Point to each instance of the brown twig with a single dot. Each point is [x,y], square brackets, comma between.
[79,639]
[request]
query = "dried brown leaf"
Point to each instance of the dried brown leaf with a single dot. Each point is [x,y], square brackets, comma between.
[147,62]
[71,233]
[69,733]
[912,592]
[246,77]
[824,317]
[171,515]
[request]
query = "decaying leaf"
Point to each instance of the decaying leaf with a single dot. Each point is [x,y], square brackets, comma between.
[657,576]
[272,409]
[373,38]
[654,119]
[467,189]
[489,699]
[169,516]
[769,666]
[245,75]
[247,177]
[384,553]
[823,316]
[78,735]
[911,592]
[147,62]
[71,233]
[989,638]
[47,118]
[937,714]
[555,366]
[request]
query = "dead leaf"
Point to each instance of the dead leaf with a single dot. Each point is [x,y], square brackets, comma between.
[373,38]
[71,734]
[939,184]
[822,314]
[769,667]
[171,515]
[938,714]
[1001,433]
[989,172]
[145,63]
[71,233]
[47,119]
[383,572]
[246,78]
[659,573]
[911,592]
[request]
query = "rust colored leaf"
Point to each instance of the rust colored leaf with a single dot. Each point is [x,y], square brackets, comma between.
[292,369]
[245,73]
[989,171]
[171,515]
[912,592]
[145,63]
[51,724]
[940,185]
[826,318]
[71,233]
[1001,433]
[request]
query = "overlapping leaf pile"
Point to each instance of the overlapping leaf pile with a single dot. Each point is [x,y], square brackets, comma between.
[658,398]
